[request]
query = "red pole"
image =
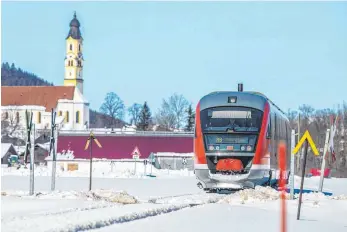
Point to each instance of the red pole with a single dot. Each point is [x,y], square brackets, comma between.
[282,184]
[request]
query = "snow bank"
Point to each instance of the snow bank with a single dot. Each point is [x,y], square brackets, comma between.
[264,194]
[110,195]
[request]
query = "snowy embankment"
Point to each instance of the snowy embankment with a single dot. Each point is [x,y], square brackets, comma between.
[108,212]
[101,170]
[163,204]
[102,211]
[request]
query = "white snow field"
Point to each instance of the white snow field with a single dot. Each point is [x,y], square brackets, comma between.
[169,202]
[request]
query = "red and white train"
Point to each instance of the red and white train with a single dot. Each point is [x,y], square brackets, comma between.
[236,140]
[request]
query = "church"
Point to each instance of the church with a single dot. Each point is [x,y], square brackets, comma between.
[68,101]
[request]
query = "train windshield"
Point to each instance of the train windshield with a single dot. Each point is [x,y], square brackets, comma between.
[231,119]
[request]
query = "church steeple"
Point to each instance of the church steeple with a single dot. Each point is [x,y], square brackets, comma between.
[75,32]
[74,57]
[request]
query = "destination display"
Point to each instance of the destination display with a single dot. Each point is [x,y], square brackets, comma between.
[230,142]
[224,139]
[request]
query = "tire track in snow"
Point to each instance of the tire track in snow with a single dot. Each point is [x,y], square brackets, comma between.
[88,219]
[59,212]
[137,216]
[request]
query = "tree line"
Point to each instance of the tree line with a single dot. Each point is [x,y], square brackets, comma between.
[175,113]
[317,121]
[12,76]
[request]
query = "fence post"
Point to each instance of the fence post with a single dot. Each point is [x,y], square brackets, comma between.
[320,189]
[292,163]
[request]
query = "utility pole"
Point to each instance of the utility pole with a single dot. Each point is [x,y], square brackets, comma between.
[53,148]
[298,158]
[29,122]
[32,163]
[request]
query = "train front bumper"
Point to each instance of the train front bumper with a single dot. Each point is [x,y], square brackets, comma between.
[209,180]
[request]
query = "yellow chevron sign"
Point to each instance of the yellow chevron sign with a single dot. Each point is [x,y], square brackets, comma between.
[310,141]
[91,136]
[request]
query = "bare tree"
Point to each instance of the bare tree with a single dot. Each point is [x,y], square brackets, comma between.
[165,118]
[10,122]
[173,112]
[292,117]
[134,112]
[113,107]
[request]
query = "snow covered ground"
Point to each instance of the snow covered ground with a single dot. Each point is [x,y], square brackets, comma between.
[100,169]
[169,202]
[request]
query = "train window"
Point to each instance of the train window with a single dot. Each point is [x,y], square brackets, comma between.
[268,133]
[238,119]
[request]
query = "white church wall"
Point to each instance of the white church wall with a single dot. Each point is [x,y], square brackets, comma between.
[19,128]
[64,106]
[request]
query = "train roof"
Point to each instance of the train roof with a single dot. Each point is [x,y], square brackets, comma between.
[262,98]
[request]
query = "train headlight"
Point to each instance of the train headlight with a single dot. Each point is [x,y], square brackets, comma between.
[243,148]
[249,148]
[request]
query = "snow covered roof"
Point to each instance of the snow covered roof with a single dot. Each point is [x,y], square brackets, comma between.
[173,154]
[5,147]
[44,146]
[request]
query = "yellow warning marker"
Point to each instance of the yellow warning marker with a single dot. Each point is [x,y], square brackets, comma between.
[91,136]
[87,144]
[310,141]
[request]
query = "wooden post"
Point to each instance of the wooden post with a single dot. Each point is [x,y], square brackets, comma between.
[302,180]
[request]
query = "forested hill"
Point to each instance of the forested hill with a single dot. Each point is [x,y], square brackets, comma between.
[12,76]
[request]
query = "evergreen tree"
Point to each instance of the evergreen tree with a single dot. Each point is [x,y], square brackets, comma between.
[145,118]
[12,76]
[190,119]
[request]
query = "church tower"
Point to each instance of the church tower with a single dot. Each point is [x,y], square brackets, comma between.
[74,58]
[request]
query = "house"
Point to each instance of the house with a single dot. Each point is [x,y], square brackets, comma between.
[7,150]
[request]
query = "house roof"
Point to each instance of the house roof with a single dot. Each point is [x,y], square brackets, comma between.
[5,147]
[46,96]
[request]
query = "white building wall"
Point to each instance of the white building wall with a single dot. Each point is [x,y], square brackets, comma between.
[63,106]
[21,126]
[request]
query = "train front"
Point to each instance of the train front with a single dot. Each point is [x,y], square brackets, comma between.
[229,140]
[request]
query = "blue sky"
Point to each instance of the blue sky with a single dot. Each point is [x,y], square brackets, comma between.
[295,53]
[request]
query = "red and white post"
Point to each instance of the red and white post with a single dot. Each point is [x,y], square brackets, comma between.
[282,185]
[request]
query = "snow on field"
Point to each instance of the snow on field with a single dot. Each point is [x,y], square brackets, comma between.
[107,195]
[141,188]
[226,217]
[169,202]
[100,169]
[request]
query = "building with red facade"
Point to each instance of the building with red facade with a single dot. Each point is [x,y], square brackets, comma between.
[121,145]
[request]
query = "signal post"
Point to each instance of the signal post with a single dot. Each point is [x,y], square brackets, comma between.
[91,137]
